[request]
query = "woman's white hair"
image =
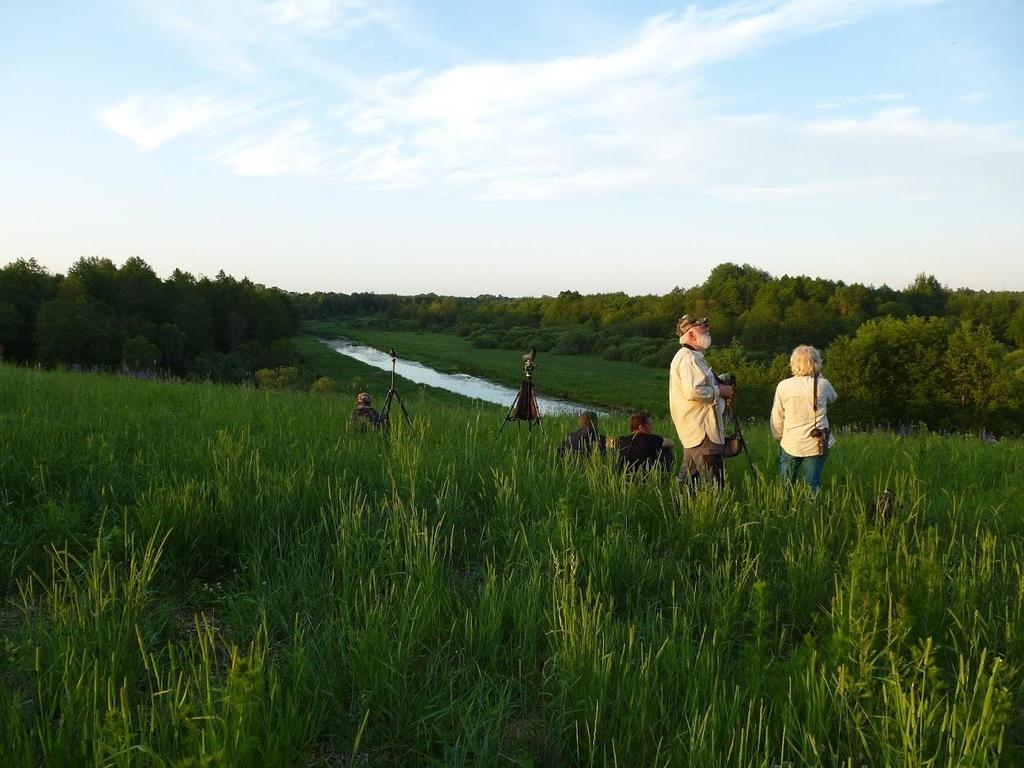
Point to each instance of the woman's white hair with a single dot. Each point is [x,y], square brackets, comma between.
[805,361]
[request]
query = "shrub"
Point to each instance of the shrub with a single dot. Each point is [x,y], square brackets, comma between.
[283,377]
[483,340]
[325,385]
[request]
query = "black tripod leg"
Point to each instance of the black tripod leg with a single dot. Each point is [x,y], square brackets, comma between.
[743,440]
[739,433]
[746,452]
[536,410]
[398,397]
[532,408]
[509,415]
[384,418]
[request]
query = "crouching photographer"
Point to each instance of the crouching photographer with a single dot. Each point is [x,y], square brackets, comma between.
[364,417]
[641,451]
[799,420]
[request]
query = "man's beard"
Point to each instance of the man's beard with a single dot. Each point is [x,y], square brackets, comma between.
[702,340]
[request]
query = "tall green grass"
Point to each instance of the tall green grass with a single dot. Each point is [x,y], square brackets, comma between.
[196,575]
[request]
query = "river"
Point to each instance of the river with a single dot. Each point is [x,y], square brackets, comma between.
[459,383]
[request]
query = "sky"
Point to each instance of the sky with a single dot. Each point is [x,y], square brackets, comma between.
[517,148]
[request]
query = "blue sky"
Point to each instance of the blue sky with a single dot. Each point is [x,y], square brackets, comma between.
[517,147]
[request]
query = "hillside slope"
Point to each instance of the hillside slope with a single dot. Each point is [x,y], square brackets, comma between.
[201,575]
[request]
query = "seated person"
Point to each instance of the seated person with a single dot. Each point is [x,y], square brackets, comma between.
[641,450]
[585,440]
[364,416]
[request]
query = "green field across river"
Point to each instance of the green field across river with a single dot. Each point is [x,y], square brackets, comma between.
[592,380]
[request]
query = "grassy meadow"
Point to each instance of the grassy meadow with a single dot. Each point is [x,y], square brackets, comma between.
[197,575]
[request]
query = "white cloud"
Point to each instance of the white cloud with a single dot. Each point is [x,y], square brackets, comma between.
[318,16]
[290,148]
[977,97]
[933,158]
[848,101]
[636,115]
[242,37]
[909,124]
[150,120]
[625,117]
[384,166]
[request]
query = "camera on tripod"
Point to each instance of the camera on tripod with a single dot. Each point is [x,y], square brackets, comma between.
[524,407]
[530,362]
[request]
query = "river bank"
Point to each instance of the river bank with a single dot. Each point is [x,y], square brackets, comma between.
[457,383]
[605,384]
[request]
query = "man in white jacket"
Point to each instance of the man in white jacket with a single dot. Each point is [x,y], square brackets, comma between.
[697,403]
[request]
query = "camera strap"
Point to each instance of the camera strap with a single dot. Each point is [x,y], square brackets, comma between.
[814,399]
[823,438]
[815,403]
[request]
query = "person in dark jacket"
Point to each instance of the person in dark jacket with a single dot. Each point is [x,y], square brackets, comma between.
[642,450]
[585,440]
[364,417]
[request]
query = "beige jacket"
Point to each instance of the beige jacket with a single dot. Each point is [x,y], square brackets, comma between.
[697,409]
[793,414]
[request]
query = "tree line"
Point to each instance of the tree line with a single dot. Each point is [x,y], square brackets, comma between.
[103,316]
[765,315]
[925,354]
[947,359]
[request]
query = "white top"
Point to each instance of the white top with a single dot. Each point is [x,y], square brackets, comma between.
[793,414]
[697,409]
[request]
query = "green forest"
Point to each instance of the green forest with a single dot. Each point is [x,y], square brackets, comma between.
[101,316]
[925,355]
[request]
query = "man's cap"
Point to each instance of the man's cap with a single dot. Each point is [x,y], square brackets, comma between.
[363,398]
[686,322]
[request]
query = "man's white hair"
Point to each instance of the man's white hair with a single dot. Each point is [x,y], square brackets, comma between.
[805,361]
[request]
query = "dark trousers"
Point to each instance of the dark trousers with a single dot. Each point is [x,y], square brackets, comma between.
[700,464]
[665,460]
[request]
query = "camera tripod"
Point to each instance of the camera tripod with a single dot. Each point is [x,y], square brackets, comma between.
[524,407]
[731,410]
[384,420]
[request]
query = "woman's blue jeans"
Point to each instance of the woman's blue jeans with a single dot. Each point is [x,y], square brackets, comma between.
[808,468]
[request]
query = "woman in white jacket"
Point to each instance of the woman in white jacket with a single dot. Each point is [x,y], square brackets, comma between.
[799,420]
